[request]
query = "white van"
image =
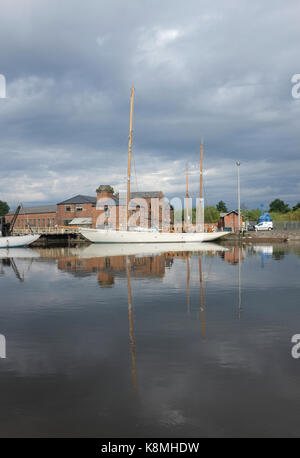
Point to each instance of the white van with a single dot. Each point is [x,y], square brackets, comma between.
[264,226]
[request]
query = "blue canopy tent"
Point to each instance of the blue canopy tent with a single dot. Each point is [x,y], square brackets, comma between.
[264,218]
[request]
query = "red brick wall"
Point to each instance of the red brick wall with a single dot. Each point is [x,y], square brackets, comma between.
[38,220]
[63,215]
[232,220]
[119,213]
[89,210]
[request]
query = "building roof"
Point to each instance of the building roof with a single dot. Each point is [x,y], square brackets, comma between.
[121,200]
[78,221]
[228,213]
[79,199]
[144,194]
[36,209]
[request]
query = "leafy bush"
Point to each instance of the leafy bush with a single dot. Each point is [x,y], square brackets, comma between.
[279,206]
[105,188]
[4,208]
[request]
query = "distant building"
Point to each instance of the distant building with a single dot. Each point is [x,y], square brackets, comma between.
[77,207]
[40,216]
[230,221]
[93,211]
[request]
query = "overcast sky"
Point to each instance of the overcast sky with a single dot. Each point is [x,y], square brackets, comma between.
[219,70]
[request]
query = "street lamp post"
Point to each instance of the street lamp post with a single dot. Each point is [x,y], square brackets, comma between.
[239,195]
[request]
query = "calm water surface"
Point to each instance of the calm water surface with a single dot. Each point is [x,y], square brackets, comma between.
[190,344]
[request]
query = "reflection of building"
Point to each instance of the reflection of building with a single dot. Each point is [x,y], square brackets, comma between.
[2,346]
[107,268]
[233,256]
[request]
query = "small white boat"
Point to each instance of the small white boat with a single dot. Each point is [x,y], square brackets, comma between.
[18,241]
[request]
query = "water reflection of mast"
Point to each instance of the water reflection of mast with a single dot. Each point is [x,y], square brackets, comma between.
[188,282]
[240,285]
[131,333]
[199,257]
[16,271]
[201,298]
[11,262]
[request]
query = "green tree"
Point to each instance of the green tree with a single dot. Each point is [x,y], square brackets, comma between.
[279,206]
[211,215]
[4,208]
[251,215]
[221,207]
[296,207]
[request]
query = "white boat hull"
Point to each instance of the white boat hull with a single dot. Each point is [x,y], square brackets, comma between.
[111,236]
[18,241]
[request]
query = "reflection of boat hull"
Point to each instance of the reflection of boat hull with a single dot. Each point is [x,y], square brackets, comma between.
[111,236]
[21,253]
[17,241]
[125,249]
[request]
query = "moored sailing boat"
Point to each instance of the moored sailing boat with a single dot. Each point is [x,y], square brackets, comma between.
[7,240]
[18,241]
[137,234]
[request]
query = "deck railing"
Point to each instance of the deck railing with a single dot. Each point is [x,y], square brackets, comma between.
[47,230]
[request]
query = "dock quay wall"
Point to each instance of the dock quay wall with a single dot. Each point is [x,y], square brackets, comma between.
[264,236]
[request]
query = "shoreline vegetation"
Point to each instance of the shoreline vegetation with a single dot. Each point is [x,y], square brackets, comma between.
[278,210]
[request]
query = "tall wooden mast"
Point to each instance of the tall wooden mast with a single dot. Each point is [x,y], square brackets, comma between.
[201,169]
[129,157]
[187,199]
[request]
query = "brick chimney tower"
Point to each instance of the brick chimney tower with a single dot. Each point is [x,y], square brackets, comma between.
[105,191]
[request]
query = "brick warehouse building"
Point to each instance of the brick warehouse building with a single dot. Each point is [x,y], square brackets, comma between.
[81,210]
[41,216]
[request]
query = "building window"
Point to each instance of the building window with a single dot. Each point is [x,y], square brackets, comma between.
[68,208]
[39,222]
[48,222]
[43,222]
[53,222]
[79,209]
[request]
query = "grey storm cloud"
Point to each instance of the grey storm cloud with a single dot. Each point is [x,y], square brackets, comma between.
[201,69]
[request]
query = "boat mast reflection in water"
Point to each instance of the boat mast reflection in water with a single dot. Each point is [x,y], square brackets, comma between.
[188,282]
[8,259]
[201,298]
[240,285]
[131,330]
